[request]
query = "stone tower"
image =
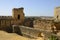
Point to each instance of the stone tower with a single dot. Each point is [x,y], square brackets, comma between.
[18,15]
[57,14]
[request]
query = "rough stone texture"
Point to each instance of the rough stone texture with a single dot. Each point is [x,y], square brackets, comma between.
[57,24]
[17,18]
[31,32]
[57,14]
[28,22]
[26,31]
[18,14]
[7,21]
[35,33]
[17,30]
[43,24]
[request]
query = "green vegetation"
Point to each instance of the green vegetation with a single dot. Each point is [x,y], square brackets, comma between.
[53,37]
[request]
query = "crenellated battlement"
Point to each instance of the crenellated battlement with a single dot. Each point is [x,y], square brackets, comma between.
[17,18]
[5,17]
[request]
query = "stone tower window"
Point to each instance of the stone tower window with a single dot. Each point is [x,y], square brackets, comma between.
[18,16]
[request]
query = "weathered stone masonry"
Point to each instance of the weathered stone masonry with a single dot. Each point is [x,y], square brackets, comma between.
[17,18]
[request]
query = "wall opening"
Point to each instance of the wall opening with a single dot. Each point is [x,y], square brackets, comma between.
[18,16]
[57,16]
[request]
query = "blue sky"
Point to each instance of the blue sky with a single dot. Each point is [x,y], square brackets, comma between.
[31,7]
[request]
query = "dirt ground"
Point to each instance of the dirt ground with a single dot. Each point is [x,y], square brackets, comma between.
[13,36]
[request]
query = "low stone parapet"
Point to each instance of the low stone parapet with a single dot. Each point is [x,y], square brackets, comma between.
[32,32]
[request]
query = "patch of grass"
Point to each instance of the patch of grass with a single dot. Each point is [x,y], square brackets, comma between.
[53,37]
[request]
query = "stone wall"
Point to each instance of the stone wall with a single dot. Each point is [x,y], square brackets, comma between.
[44,24]
[32,32]
[28,22]
[57,24]
[57,14]
[16,19]
[26,31]
[18,14]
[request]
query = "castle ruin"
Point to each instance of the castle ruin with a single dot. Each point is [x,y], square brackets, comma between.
[49,24]
[17,18]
